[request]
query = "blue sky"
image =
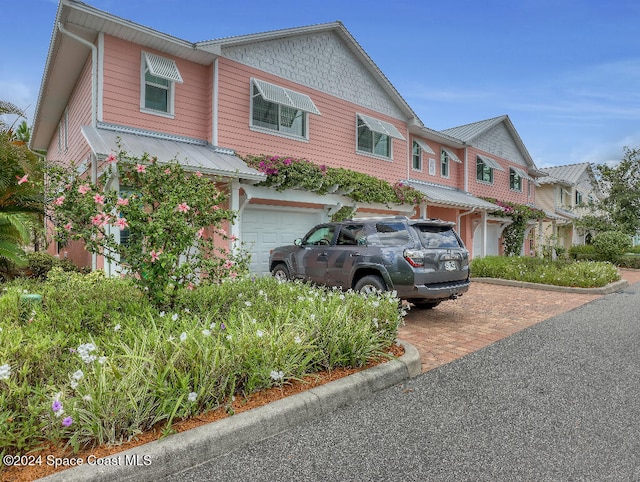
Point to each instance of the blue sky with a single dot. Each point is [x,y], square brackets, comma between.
[567,72]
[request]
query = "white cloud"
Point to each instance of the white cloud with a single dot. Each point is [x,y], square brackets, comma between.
[20,94]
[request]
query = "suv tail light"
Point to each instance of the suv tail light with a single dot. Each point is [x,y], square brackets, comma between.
[415,257]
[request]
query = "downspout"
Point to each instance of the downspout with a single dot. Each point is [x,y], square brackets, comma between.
[94,110]
[463,214]
[214,107]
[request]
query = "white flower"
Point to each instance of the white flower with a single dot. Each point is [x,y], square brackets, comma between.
[247,303]
[375,322]
[162,313]
[206,332]
[84,352]
[229,337]
[5,372]
[192,397]
[186,310]
[87,398]
[74,384]
[260,333]
[183,336]
[102,359]
[277,375]
[77,375]
[297,340]
[375,304]
[174,317]
[312,316]
[212,325]
[117,327]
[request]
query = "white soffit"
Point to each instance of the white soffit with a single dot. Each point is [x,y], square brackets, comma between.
[280,95]
[424,146]
[381,127]
[452,155]
[491,163]
[162,67]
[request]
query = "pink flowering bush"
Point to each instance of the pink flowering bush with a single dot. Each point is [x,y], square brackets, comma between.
[165,213]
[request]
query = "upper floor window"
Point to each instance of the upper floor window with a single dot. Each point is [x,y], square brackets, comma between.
[578,198]
[63,132]
[375,136]
[485,167]
[515,180]
[159,76]
[281,110]
[417,157]
[444,163]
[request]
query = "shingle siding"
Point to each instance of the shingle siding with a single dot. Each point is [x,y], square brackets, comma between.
[499,142]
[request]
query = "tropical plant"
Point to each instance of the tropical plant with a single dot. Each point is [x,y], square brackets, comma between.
[171,219]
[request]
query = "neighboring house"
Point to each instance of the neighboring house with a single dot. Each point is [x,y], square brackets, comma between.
[564,194]
[308,92]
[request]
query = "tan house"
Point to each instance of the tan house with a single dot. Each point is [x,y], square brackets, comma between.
[564,194]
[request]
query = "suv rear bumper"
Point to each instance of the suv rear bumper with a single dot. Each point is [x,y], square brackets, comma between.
[440,291]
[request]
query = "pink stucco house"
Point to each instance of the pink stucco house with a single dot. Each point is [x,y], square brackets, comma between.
[308,92]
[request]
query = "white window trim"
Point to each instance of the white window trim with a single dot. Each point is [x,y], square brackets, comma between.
[289,98]
[420,151]
[520,177]
[448,163]
[171,76]
[493,174]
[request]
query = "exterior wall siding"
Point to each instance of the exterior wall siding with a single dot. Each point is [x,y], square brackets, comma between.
[332,135]
[121,92]
[298,59]
[499,142]
[456,169]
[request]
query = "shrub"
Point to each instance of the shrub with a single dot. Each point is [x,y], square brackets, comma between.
[611,244]
[41,263]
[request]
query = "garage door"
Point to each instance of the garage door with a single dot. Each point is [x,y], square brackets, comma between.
[492,240]
[263,228]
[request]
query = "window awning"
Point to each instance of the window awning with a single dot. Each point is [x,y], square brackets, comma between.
[162,67]
[280,95]
[424,146]
[491,163]
[451,155]
[522,173]
[381,127]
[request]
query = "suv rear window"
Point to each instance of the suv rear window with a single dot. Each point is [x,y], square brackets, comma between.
[437,236]
[390,234]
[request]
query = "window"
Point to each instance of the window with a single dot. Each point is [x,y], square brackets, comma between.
[375,136]
[323,235]
[484,172]
[515,181]
[417,157]
[63,132]
[351,235]
[276,109]
[389,234]
[444,163]
[437,236]
[159,76]
[578,198]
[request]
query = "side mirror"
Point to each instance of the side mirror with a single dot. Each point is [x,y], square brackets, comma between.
[298,242]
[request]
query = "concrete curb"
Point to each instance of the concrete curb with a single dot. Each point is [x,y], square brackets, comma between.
[604,290]
[178,452]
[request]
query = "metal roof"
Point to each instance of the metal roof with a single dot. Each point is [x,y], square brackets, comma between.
[449,196]
[570,173]
[191,154]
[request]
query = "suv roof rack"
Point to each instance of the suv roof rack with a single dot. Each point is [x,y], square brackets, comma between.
[366,218]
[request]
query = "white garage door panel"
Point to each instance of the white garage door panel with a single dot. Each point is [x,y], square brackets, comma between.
[265,228]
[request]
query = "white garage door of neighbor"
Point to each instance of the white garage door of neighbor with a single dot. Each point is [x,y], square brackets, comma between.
[265,228]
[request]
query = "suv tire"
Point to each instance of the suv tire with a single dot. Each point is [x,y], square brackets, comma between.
[280,272]
[370,284]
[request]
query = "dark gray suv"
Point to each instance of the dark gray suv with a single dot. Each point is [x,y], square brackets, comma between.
[423,260]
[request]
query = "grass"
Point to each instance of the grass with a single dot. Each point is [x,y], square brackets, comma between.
[583,274]
[118,366]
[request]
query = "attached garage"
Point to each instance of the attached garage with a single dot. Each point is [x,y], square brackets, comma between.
[264,227]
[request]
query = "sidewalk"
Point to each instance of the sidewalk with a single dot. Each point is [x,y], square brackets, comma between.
[485,314]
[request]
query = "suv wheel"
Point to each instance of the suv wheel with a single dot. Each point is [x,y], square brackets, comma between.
[370,284]
[425,305]
[280,272]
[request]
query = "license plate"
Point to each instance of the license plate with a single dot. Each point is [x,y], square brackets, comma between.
[450,265]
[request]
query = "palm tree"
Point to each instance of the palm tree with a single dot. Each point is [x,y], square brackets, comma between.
[21,192]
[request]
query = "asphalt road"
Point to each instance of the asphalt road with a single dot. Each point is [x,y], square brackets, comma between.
[558,401]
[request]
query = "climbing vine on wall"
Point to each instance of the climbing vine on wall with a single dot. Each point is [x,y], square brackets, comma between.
[285,172]
[520,215]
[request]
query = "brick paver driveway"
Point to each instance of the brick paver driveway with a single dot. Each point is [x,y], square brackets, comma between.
[485,314]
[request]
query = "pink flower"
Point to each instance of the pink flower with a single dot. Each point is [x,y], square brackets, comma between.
[216,207]
[22,179]
[98,220]
[200,233]
[198,173]
[67,421]
[111,158]
[228,264]
[122,202]
[99,199]
[122,223]
[233,237]
[222,232]
[191,286]
[59,201]
[183,207]
[141,168]
[233,274]
[68,226]
[167,171]
[155,255]
[84,189]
